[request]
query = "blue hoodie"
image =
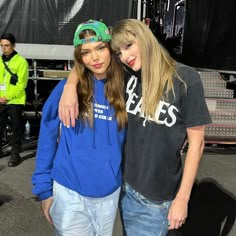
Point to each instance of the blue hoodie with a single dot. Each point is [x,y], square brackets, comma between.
[84,159]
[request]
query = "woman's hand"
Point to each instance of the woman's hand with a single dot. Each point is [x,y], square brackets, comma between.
[68,105]
[45,205]
[177,213]
[3,100]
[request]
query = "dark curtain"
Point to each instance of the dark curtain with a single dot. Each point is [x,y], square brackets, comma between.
[54,21]
[209,39]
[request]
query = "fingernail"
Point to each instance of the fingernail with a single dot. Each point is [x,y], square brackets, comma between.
[67,126]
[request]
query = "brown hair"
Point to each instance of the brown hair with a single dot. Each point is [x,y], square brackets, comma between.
[114,87]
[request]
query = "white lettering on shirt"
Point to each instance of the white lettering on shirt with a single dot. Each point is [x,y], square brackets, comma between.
[100,112]
[165,113]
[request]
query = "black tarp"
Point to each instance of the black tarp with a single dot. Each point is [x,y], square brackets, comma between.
[54,21]
[210,34]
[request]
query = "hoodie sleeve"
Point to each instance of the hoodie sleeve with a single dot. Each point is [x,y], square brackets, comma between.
[47,144]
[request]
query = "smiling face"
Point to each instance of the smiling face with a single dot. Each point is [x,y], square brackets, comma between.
[96,57]
[7,47]
[130,54]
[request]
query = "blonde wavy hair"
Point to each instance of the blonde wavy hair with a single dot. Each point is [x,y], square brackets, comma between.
[158,67]
[114,87]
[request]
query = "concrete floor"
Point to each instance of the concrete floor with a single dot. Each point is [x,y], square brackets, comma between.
[212,205]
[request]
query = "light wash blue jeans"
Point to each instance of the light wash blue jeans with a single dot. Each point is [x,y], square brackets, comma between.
[142,217]
[76,215]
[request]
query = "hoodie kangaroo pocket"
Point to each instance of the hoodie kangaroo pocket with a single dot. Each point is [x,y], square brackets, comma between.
[96,179]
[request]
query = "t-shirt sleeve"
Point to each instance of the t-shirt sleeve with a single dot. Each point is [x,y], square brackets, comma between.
[195,111]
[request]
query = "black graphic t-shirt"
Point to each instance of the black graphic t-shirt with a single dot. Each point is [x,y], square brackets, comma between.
[152,163]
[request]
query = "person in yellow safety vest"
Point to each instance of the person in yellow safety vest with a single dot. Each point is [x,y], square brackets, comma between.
[13,82]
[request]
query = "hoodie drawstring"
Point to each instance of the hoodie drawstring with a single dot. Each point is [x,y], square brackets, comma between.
[108,126]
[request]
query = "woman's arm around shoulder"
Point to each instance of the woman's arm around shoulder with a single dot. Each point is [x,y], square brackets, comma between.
[68,105]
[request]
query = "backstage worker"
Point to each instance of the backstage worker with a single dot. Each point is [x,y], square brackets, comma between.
[13,81]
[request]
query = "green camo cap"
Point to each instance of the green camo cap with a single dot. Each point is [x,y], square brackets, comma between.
[100,29]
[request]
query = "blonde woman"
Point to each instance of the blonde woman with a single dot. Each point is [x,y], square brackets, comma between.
[165,104]
[78,178]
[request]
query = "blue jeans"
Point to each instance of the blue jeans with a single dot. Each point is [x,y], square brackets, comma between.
[142,217]
[73,214]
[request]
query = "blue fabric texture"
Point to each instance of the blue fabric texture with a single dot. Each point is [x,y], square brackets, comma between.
[142,217]
[83,159]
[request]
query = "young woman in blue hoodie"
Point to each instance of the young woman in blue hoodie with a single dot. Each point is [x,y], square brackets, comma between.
[78,172]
